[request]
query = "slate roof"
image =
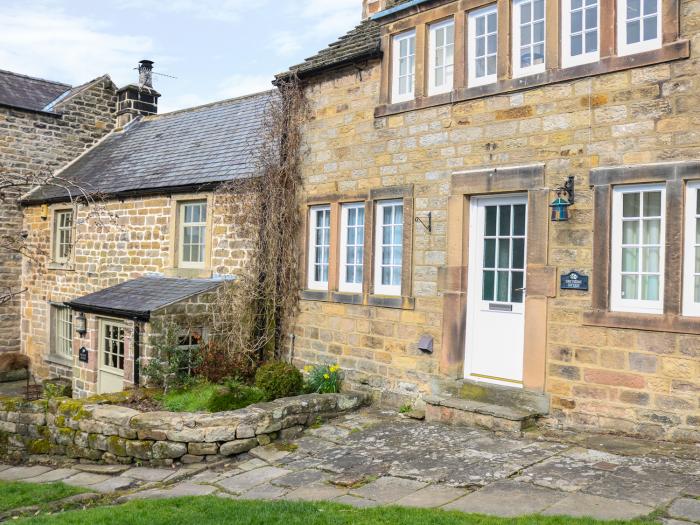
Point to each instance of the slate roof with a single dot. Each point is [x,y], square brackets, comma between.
[30,93]
[361,43]
[139,297]
[188,149]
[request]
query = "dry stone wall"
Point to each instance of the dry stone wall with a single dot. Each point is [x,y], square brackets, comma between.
[115,434]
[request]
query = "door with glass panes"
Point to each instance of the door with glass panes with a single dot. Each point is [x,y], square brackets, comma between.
[496,290]
[112,355]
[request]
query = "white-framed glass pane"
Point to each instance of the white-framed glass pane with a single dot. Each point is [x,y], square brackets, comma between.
[113,346]
[441,73]
[404,50]
[389,249]
[352,238]
[482,49]
[63,235]
[639,23]
[193,216]
[319,246]
[62,331]
[528,37]
[691,250]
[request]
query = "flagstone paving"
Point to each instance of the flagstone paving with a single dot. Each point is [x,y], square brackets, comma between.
[375,457]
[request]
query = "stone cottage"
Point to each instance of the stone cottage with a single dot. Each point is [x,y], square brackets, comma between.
[441,133]
[142,229]
[43,126]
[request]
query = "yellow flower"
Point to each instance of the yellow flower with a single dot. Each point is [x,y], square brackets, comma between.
[308,368]
[334,368]
[326,376]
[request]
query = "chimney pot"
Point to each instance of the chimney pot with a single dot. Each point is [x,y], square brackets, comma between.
[146,73]
[137,99]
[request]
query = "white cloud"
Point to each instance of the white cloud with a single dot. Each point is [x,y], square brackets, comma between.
[230,87]
[218,10]
[41,40]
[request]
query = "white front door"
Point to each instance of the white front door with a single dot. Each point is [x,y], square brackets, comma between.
[111,359]
[496,290]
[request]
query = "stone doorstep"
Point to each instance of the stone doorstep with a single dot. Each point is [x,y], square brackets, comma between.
[457,411]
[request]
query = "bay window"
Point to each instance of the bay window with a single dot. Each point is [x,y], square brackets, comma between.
[441,66]
[404,66]
[638,26]
[388,252]
[319,247]
[637,249]
[482,29]
[580,32]
[528,37]
[352,243]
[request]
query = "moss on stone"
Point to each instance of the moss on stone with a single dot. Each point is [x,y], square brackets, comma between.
[4,441]
[38,446]
[60,421]
[44,432]
[116,445]
[74,409]
[10,404]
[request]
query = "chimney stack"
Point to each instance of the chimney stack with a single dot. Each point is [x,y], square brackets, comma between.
[369,7]
[137,99]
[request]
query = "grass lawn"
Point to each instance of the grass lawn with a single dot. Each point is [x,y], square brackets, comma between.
[211,510]
[15,494]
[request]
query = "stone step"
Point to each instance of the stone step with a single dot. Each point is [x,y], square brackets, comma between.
[458,411]
[518,398]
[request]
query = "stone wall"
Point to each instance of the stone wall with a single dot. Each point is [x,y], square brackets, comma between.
[129,239]
[35,144]
[115,434]
[633,381]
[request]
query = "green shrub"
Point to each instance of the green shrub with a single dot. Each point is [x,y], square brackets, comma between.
[278,379]
[234,395]
[323,379]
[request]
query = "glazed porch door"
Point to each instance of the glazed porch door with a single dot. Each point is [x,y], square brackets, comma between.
[111,356]
[496,290]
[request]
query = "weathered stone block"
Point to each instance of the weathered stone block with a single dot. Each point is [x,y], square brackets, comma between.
[139,449]
[168,450]
[238,447]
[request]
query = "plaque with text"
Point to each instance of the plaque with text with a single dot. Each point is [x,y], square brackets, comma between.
[574,281]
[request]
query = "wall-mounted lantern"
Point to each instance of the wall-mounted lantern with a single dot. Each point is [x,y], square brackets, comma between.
[565,198]
[80,324]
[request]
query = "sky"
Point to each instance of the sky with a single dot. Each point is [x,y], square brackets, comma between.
[215,49]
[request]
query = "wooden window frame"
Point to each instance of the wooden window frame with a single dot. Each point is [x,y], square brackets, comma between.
[675,176]
[343,284]
[56,261]
[472,80]
[202,271]
[617,302]
[396,96]
[624,49]
[379,287]
[367,295]
[525,71]
[557,69]
[120,325]
[432,46]
[181,225]
[312,283]
[56,338]
[567,59]
[691,308]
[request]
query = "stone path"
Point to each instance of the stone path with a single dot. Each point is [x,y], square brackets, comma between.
[374,458]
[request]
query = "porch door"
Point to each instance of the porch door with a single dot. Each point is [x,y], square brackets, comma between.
[496,290]
[111,359]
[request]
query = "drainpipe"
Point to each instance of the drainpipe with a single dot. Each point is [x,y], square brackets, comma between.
[137,353]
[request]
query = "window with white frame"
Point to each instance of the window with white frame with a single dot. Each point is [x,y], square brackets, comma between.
[63,235]
[352,247]
[403,66]
[113,344]
[528,37]
[638,26]
[580,20]
[319,247]
[637,249]
[691,262]
[62,331]
[442,48]
[483,45]
[192,234]
[388,251]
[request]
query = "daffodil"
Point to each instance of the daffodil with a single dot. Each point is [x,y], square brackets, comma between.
[326,376]
[333,369]
[308,368]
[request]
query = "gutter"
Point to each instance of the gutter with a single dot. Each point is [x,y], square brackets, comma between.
[135,315]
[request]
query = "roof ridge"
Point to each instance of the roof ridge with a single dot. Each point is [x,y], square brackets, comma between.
[208,104]
[35,78]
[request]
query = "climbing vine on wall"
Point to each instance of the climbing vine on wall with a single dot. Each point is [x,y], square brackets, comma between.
[253,314]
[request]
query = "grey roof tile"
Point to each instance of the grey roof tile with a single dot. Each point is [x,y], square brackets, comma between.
[199,146]
[140,297]
[30,93]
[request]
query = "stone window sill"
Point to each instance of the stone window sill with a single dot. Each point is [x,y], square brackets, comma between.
[384,301]
[189,273]
[657,323]
[58,360]
[672,51]
[68,266]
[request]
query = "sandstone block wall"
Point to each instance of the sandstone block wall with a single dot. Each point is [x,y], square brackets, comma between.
[126,240]
[638,382]
[33,144]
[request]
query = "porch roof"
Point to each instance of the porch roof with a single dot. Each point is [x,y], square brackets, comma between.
[136,299]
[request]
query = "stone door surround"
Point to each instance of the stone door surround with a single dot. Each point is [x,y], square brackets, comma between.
[541,278]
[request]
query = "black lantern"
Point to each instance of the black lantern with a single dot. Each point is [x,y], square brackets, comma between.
[81,324]
[565,198]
